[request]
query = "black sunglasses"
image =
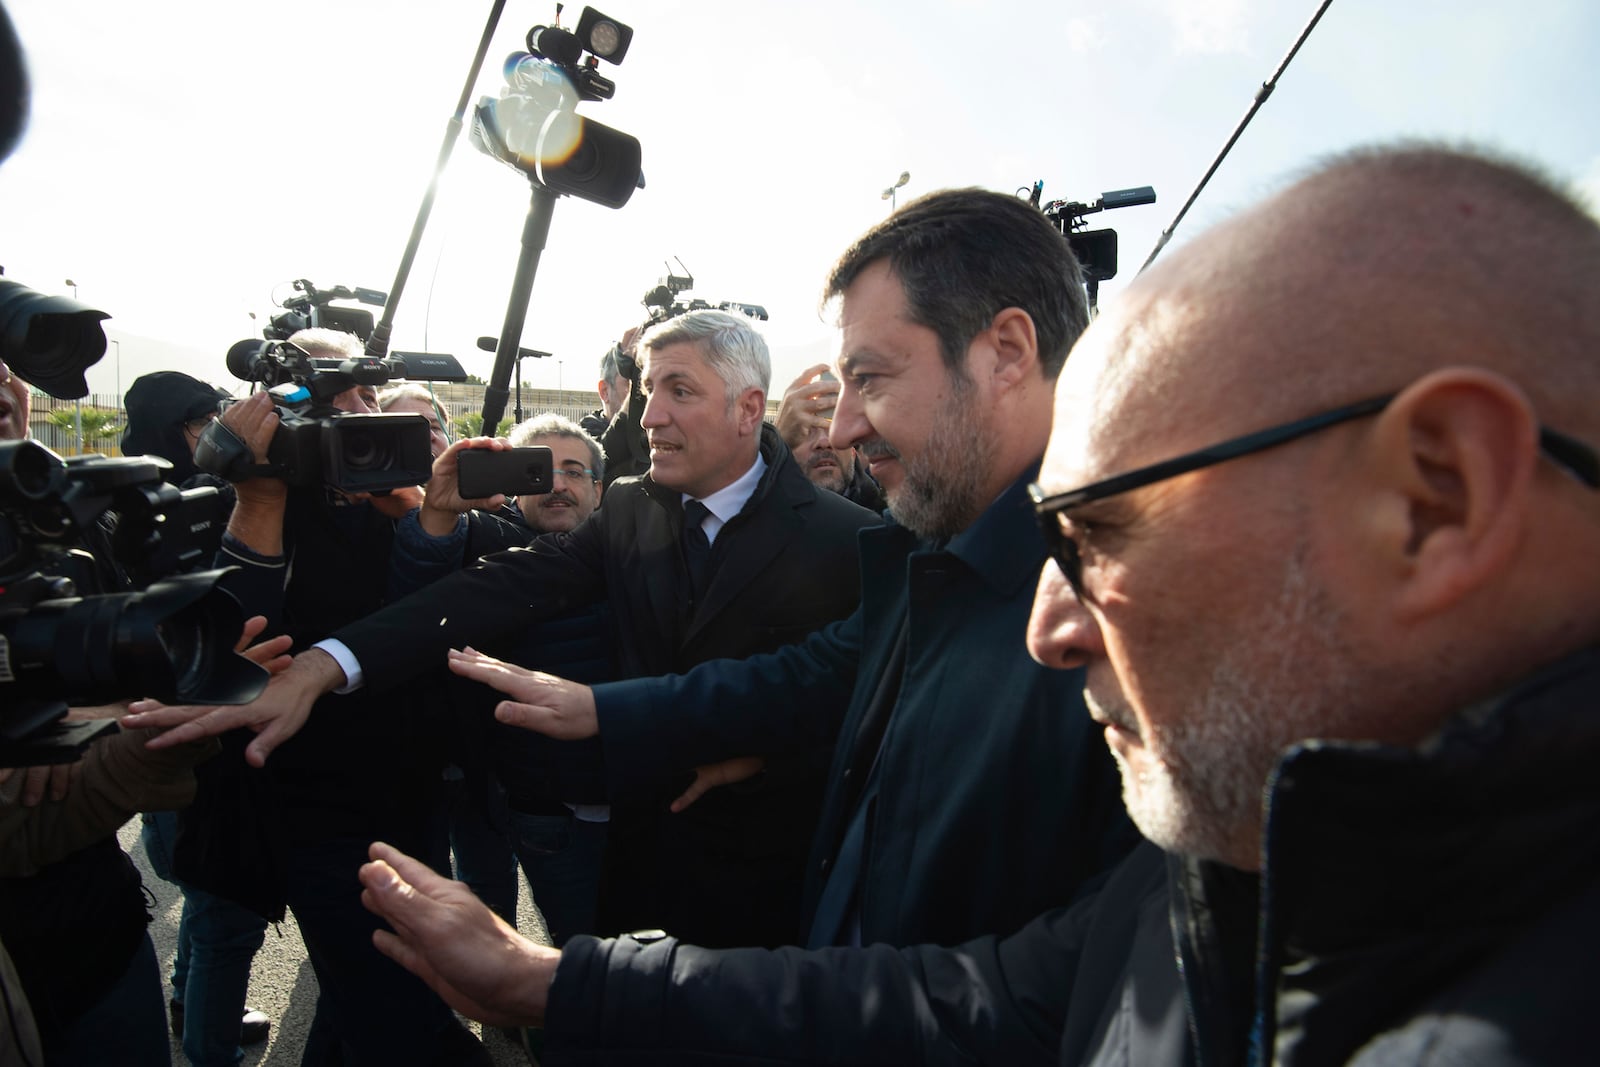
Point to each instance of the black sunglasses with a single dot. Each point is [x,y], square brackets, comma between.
[1580,460]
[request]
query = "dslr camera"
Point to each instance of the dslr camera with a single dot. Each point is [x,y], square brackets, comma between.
[315,442]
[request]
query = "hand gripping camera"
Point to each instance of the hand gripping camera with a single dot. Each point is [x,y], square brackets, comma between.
[317,443]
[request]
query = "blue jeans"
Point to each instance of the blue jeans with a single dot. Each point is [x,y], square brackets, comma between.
[217,940]
[561,856]
[128,1025]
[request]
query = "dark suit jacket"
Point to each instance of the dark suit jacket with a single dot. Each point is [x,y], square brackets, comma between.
[997,799]
[726,871]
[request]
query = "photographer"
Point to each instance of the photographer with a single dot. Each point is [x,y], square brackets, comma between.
[72,905]
[805,416]
[167,412]
[313,559]
[551,793]
[623,437]
[614,390]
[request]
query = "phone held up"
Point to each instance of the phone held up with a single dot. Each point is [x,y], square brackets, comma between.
[482,472]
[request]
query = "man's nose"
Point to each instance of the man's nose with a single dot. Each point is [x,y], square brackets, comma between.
[654,412]
[850,426]
[1061,633]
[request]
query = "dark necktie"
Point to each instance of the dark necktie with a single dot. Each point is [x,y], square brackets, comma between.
[696,546]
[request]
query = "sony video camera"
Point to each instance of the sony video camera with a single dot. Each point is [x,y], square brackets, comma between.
[78,539]
[311,306]
[317,443]
[662,300]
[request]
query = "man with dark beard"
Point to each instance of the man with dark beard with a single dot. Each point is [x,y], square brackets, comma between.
[962,800]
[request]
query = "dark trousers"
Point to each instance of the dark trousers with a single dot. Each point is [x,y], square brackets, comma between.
[370,1010]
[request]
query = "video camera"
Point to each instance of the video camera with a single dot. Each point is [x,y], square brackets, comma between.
[81,525]
[1096,250]
[661,302]
[313,307]
[317,443]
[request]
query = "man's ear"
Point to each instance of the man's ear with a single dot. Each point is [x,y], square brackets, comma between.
[1460,451]
[1015,342]
[752,407]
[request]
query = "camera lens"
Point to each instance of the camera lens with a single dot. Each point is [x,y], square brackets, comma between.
[172,642]
[363,451]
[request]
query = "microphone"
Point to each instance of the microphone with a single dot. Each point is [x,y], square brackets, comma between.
[244,359]
[490,344]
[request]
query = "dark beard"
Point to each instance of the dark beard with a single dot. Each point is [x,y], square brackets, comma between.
[942,492]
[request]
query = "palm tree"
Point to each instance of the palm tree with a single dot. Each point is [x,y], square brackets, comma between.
[471,425]
[98,424]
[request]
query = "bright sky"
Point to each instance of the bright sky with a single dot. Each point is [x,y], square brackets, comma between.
[187,158]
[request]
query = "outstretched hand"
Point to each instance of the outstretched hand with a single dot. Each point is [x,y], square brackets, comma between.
[445,935]
[276,715]
[539,702]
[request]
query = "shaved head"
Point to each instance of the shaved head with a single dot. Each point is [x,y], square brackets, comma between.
[1374,268]
[1363,582]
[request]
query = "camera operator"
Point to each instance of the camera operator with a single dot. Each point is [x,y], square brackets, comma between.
[614,390]
[623,438]
[411,399]
[313,559]
[72,904]
[167,412]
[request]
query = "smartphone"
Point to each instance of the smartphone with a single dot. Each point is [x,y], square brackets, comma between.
[827,376]
[481,472]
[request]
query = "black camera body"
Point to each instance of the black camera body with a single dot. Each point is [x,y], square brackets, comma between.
[315,443]
[663,300]
[1095,250]
[89,610]
[311,307]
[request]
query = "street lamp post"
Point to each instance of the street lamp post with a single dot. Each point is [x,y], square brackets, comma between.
[888,194]
[118,345]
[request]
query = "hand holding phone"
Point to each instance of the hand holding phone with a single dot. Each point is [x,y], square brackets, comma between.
[482,472]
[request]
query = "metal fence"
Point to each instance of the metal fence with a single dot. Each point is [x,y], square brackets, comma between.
[95,423]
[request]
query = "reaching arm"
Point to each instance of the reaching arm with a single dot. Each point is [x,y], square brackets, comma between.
[1016,1000]
[788,701]
[276,715]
